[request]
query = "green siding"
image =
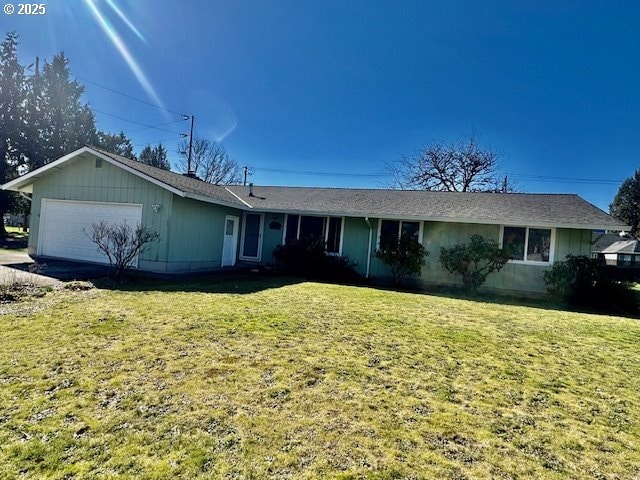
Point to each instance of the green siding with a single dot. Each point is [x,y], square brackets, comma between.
[80,180]
[354,241]
[197,234]
[513,276]
[575,242]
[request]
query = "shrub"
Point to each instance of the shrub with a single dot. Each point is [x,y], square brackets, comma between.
[121,243]
[308,258]
[474,261]
[404,256]
[585,282]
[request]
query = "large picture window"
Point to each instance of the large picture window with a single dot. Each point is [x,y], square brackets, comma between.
[309,227]
[529,244]
[391,230]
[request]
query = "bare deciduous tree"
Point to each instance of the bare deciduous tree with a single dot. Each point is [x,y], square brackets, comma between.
[457,167]
[209,161]
[121,243]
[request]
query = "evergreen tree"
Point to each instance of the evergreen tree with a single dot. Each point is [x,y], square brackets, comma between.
[119,144]
[626,204]
[156,157]
[12,91]
[58,121]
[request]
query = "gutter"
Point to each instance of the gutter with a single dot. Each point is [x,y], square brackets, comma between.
[366,219]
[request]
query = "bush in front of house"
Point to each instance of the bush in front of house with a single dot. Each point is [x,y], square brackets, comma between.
[121,243]
[474,261]
[308,258]
[584,282]
[404,256]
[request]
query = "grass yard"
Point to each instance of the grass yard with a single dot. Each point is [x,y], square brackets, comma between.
[267,379]
[15,241]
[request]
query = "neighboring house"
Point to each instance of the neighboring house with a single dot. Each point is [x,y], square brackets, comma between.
[617,249]
[206,227]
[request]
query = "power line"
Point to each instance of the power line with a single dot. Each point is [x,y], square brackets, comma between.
[129,96]
[518,176]
[334,174]
[155,126]
[165,140]
[551,179]
[138,123]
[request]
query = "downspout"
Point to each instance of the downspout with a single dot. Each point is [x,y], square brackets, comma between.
[366,219]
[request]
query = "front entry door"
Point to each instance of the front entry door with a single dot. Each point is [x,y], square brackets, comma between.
[230,243]
[251,236]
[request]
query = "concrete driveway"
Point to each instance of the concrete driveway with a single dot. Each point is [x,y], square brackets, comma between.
[15,266]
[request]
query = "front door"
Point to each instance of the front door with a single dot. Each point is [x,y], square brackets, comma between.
[251,236]
[230,243]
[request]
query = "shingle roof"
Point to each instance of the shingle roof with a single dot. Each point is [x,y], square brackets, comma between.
[501,208]
[560,210]
[613,243]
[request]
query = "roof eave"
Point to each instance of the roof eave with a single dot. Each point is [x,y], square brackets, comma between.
[427,218]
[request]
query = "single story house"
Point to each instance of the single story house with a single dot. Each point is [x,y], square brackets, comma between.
[207,227]
[619,250]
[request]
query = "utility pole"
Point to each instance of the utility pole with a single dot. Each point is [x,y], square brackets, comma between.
[246,169]
[190,145]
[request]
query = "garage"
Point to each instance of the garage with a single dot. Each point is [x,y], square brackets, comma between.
[65,227]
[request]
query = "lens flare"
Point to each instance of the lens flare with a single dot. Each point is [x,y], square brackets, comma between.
[124,51]
[126,21]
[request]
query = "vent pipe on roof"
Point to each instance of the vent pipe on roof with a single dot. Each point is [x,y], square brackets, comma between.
[251,190]
[191,174]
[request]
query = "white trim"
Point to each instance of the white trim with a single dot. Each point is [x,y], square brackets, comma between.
[366,219]
[284,228]
[326,235]
[326,219]
[236,228]
[260,235]
[419,222]
[552,246]
[238,197]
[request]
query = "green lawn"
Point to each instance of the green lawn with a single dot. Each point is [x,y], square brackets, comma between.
[17,231]
[250,379]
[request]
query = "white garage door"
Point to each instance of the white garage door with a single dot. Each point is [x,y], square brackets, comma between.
[65,227]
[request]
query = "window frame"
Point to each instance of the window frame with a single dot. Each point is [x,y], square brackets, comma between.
[325,232]
[420,228]
[552,246]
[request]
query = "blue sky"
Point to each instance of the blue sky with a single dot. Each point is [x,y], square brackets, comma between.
[344,86]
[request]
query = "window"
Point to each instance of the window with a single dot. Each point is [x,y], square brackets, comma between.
[528,244]
[311,228]
[308,227]
[391,230]
[291,232]
[334,232]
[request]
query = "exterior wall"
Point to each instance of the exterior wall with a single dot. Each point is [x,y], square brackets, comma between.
[80,180]
[513,276]
[196,235]
[575,242]
[354,241]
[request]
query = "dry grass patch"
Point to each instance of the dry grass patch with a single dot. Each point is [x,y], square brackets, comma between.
[260,379]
